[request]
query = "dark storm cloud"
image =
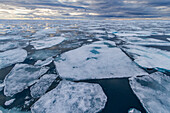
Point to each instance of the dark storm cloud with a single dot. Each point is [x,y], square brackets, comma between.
[94,8]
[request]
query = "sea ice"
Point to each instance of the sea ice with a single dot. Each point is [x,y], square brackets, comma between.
[145,41]
[153,91]
[1,86]
[13,110]
[22,76]
[72,97]
[42,85]
[9,102]
[133,110]
[45,62]
[47,42]
[10,57]
[12,45]
[98,60]
[149,57]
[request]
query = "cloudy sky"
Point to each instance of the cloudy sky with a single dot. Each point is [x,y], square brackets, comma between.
[83,9]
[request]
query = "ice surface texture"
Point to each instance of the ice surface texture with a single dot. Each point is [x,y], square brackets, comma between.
[95,61]
[10,57]
[153,91]
[149,57]
[20,77]
[42,85]
[70,97]
[47,42]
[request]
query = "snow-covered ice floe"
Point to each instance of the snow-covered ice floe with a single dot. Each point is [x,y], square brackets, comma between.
[45,62]
[72,97]
[133,110]
[10,57]
[9,102]
[13,110]
[42,85]
[144,41]
[149,57]
[12,45]
[96,61]
[153,91]
[47,42]
[22,76]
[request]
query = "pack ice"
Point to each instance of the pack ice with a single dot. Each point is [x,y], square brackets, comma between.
[70,97]
[10,57]
[46,42]
[95,61]
[153,91]
[149,57]
[42,85]
[22,76]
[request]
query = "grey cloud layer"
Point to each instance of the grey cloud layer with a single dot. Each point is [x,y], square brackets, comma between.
[90,8]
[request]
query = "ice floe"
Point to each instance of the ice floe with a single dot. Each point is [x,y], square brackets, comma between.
[42,85]
[22,76]
[71,97]
[12,45]
[153,91]
[47,42]
[1,86]
[95,61]
[45,62]
[145,41]
[133,110]
[13,110]
[149,57]
[9,102]
[10,57]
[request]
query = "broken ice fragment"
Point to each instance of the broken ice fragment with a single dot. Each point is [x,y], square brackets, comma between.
[9,102]
[22,76]
[153,91]
[149,57]
[47,42]
[95,61]
[10,57]
[72,97]
[133,110]
[12,45]
[45,62]
[42,85]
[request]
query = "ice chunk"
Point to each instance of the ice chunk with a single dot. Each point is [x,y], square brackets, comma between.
[47,42]
[44,32]
[12,45]
[133,110]
[1,86]
[10,57]
[13,110]
[72,97]
[144,41]
[22,76]
[42,85]
[149,57]
[11,38]
[9,102]
[168,39]
[45,62]
[153,91]
[98,60]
